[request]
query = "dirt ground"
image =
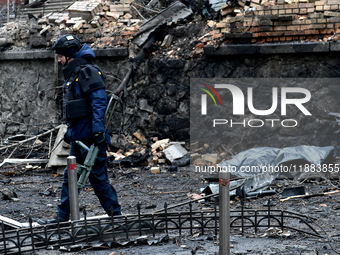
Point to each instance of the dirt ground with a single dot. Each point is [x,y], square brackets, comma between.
[38,193]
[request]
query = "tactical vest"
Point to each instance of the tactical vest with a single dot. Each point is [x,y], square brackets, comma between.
[89,78]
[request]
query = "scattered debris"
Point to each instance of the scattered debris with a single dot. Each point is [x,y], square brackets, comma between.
[310,195]
[20,161]
[7,194]
[276,232]
[296,191]
[175,152]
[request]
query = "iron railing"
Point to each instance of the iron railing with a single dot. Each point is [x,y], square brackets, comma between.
[128,226]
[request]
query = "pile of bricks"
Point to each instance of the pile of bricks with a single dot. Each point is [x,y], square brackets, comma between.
[102,25]
[279,21]
[113,22]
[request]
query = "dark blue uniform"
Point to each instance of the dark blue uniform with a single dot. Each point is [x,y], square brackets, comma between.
[83,130]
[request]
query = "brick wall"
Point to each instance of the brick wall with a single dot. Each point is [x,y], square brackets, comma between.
[278,22]
[15,2]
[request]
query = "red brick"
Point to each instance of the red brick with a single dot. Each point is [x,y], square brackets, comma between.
[127,33]
[275,7]
[295,27]
[253,29]
[276,39]
[306,27]
[330,25]
[283,38]
[310,32]
[334,19]
[320,2]
[281,33]
[291,33]
[280,28]
[292,6]
[215,36]
[264,34]
[269,39]
[306,5]
[318,26]
[289,38]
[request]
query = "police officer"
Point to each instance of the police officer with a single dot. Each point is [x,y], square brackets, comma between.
[84,106]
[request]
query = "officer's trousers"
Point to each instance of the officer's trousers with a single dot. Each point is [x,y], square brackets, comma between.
[98,178]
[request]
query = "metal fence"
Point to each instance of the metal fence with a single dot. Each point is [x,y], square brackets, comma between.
[127,226]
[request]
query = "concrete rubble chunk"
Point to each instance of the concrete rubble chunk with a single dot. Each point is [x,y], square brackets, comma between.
[85,9]
[155,170]
[167,41]
[59,155]
[161,143]
[174,152]
[114,15]
[120,8]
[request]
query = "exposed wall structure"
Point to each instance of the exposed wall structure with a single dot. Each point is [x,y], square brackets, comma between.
[278,21]
[160,105]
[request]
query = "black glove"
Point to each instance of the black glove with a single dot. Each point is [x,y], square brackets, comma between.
[67,139]
[99,138]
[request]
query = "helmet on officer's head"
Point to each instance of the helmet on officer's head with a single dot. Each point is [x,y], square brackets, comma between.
[67,45]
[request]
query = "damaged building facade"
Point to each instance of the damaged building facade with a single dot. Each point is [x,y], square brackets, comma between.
[160,55]
[273,39]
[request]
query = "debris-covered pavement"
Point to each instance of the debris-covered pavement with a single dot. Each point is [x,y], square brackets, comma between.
[33,191]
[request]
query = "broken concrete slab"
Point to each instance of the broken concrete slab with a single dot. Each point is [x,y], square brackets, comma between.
[85,9]
[174,12]
[175,151]
[59,155]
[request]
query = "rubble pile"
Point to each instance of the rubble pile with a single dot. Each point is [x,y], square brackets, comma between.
[154,153]
[98,23]
[261,21]
[102,24]
[113,24]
